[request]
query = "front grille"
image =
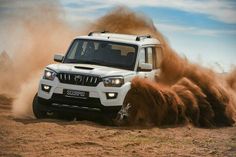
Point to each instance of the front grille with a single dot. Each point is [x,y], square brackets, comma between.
[79,79]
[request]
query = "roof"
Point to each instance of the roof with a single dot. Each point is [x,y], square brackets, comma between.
[123,38]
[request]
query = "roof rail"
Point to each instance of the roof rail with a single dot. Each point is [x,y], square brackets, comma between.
[138,38]
[91,33]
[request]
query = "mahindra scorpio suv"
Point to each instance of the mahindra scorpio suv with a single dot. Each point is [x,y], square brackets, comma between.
[95,74]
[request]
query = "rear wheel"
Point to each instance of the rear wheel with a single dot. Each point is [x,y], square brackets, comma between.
[38,111]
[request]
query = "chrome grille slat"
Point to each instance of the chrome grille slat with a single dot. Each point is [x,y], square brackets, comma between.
[79,79]
[64,76]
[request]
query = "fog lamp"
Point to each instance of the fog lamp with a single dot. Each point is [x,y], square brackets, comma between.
[46,88]
[111,95]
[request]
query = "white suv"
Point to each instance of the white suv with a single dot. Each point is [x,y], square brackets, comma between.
[95,74]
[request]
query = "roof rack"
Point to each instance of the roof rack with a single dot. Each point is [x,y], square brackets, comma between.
[91,33]
[138,38]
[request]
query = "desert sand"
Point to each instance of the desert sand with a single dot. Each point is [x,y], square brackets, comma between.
[31,137]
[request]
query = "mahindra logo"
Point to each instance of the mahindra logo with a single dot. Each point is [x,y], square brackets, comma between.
[78,78]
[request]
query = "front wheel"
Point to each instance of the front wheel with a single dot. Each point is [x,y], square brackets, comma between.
[64,116]
[38,111]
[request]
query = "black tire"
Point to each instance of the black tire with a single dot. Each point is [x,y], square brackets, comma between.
[38,111]
[108,117]
[64,116]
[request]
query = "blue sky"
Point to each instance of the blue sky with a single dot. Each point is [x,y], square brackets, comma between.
[202,30]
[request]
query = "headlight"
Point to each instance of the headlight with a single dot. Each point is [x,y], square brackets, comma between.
[49,74]
[113,81]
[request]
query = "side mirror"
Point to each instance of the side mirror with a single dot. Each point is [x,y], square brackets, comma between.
[145,67]
[58,58]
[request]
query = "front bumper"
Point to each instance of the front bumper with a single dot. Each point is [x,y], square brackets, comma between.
[96,98]
[62,103]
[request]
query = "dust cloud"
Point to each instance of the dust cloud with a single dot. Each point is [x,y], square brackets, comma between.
[22,105]
[33,32]
[215,94]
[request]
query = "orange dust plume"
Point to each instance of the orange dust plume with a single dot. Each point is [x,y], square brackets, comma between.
[33,33]
[149,103]
[210,92]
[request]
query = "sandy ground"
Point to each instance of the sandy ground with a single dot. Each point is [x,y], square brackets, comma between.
[30,137]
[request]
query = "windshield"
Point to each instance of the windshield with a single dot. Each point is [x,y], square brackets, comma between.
[118,55]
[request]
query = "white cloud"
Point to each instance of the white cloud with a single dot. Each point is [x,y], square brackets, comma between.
[84,14]
[220,10]
[217,9]
[87,11]
[193,30]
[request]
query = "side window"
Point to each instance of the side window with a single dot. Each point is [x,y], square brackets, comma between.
[147,55]
[142,58]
